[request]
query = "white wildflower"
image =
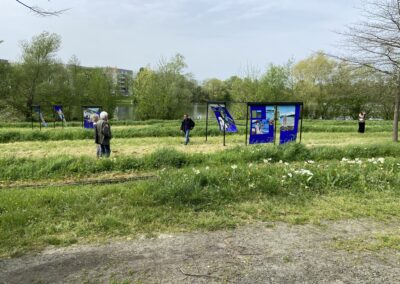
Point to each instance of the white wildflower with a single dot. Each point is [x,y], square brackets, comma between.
[381,160]
[252,185]
[207,168]
[280,161]
[234,167]
[310,162]
[250,165]
[286,164]
[290,175]
[266,161]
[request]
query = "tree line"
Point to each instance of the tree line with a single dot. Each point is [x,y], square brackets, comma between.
[329,88]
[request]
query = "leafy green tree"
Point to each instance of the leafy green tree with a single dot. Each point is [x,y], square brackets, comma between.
[275,84]
[101,90]
[311,78]
[38,60]
[163,93]
[216,90]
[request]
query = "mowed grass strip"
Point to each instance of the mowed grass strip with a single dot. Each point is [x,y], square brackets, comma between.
[137,147]
[170,129]
[209,197]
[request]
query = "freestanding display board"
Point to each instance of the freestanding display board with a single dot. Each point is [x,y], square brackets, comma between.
[37,115]
[264,118]
[225,120]
[59,115]
[87,112]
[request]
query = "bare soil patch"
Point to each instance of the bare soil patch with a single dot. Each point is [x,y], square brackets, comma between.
[256,253]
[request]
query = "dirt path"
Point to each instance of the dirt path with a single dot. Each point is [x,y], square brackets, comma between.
[260,253]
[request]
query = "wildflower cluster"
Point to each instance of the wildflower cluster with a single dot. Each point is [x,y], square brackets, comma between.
[377,160]
[302,172]
[348,161]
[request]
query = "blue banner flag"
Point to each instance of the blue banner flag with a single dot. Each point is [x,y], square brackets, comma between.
[59,113]
[225,120]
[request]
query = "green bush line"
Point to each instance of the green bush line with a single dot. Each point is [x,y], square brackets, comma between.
[53,167]
[204,198]
[79,123]
[80,134]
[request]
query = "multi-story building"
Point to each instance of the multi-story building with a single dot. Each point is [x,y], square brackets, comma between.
[123,78]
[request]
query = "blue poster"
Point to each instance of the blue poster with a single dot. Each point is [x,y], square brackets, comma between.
[289,123]
[40,118]
[262,119]
[87,116]
[225,120]
[59,113]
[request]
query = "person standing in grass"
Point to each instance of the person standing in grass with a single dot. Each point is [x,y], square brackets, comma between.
[95,119]
[361,122]
[104,135]
[186,126]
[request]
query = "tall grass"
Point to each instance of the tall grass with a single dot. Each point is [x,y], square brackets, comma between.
[203,197]
[63,166]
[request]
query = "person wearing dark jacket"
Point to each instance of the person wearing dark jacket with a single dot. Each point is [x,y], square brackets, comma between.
[186,126]
[361,122]
[104,135]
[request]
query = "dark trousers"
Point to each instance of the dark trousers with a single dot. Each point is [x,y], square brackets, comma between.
[105,150]
[361,127]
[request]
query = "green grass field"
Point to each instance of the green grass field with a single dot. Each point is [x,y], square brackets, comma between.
[334,174]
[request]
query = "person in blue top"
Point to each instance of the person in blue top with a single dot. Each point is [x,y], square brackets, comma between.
[186,126]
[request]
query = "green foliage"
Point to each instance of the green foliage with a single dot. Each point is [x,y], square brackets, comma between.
[205,196]
[163,93]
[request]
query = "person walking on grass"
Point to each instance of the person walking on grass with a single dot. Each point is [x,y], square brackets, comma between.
[186,126]
[95,118]
[361,122]
[104,135]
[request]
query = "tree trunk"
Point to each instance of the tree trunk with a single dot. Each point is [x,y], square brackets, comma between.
[396,116]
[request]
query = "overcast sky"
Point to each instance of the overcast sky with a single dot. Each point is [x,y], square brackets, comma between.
[218,38]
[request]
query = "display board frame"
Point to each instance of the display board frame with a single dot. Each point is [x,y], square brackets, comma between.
[275,105]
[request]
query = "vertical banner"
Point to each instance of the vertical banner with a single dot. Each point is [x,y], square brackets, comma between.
[59,114]
[289,122]
[225,120]
[262,120]
[38,115]
[87,115]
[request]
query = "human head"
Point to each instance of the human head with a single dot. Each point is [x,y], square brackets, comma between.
[95,117]
[104,115]
[185,116]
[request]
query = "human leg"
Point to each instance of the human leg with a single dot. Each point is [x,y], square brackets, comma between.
[187,136]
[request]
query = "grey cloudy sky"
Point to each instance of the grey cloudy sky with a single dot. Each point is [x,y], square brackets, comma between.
[218,38]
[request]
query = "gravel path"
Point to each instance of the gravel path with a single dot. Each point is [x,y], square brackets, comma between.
[257,253]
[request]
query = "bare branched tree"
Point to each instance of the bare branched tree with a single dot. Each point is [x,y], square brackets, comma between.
[40,11]
[374,42]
